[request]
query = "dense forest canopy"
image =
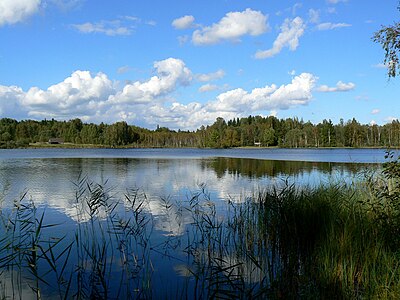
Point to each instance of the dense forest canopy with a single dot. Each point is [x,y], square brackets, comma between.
[250,131]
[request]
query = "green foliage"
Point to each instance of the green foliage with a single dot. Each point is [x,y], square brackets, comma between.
[389,38]
[385,203]
[250,131]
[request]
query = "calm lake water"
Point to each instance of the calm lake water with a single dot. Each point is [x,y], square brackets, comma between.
[49,178]
[48,175]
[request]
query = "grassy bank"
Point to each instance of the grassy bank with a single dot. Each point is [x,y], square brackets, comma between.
[337,241]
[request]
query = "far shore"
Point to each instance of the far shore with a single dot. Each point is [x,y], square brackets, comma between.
[40,145]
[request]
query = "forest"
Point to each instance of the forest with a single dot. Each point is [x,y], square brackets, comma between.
[240,132]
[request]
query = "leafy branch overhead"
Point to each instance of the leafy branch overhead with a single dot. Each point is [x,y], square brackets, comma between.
[389,38]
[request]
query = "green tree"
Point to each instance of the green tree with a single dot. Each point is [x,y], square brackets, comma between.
[269,137]
[293,138]
[389,38]
[327,133]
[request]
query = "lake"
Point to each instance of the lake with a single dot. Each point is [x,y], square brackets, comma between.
[48,175]
[61,183]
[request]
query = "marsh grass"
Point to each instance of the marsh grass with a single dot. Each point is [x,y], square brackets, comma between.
[334,241]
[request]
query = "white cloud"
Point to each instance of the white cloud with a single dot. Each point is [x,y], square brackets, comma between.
[110,28]
[232,27]
[10,97]
[14,11]
[291,31]
[340,87]
[375,111]
[233,103]
[96,98]
[314,15]
[170,73]
[372,123]
[211,76]
[79,94]
[298,92]
[330,26]
[208,88]
[184,22]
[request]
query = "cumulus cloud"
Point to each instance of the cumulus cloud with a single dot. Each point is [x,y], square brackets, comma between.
[234,103]
[272,97]
[208,88]
[340,87]
[330,26]
[170,73]
[14,11]
[211,76]
[184,22]
[10,97]
[80,94]
[291,31]
[232,27]
[96,98]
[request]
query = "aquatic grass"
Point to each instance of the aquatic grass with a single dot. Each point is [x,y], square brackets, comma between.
[84,264]
[27,258]
[106,232]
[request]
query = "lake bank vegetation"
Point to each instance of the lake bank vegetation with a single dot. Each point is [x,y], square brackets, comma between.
[243,132]
[334,241]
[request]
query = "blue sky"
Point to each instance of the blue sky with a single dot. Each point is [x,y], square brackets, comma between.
[182,64]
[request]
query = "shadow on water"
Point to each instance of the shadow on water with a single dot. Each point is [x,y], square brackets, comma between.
[255,168]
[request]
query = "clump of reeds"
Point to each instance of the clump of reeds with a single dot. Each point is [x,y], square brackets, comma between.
[330,241]
[106,257]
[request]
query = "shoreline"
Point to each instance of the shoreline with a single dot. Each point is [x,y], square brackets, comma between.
[97,146]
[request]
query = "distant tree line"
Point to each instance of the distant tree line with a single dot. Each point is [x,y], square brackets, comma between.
[249,131]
